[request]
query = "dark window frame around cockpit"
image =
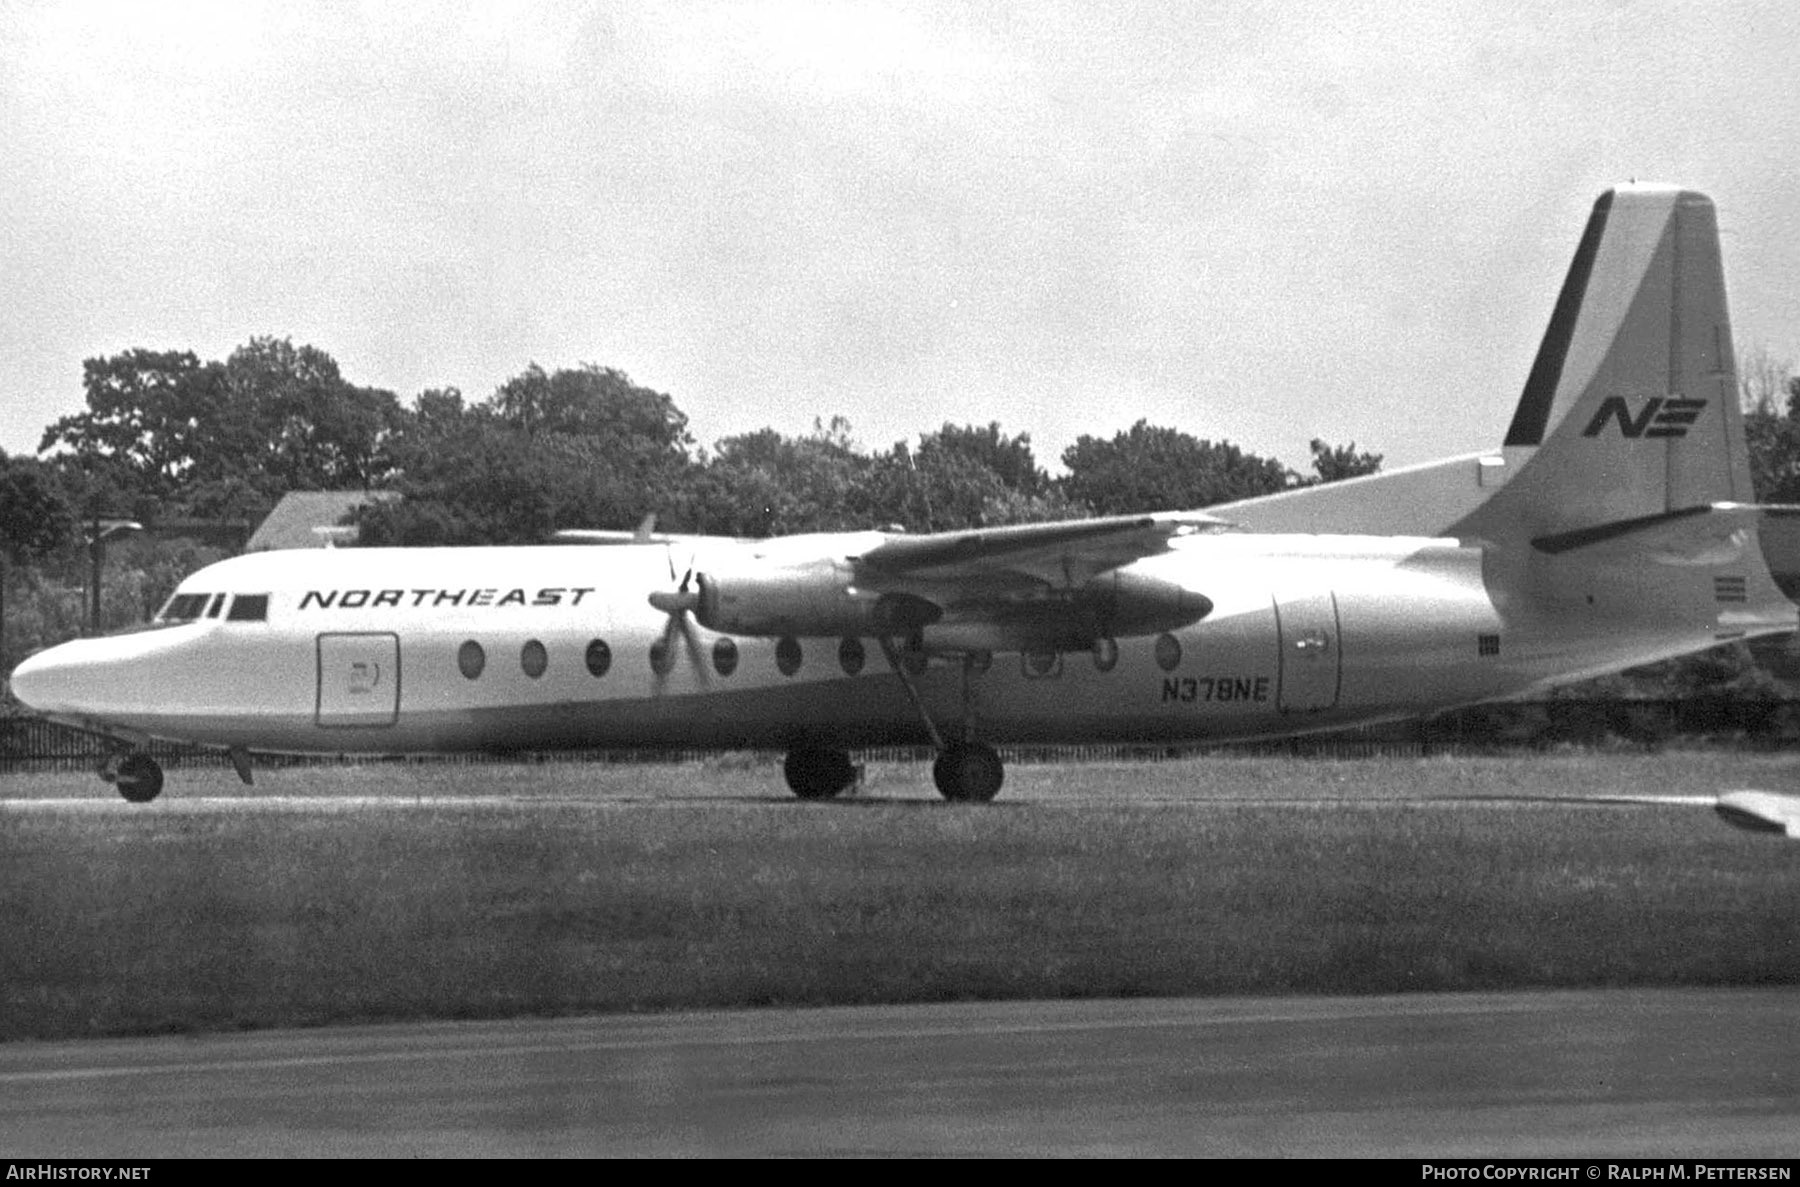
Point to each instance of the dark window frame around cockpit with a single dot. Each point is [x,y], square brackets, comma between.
[184,607]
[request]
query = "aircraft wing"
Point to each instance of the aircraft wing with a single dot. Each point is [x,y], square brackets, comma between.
[1064,553]
[603,537]
[1044,586]
[644,533]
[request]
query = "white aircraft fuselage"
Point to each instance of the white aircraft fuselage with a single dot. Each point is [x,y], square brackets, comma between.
[365,651]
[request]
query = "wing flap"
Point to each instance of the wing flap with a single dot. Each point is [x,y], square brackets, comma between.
[1067,548]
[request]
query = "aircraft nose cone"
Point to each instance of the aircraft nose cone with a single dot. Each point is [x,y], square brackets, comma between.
[41,682]
[77,677]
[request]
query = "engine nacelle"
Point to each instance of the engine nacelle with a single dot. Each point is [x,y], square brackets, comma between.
[821,598]
[813,599]
[1124,603]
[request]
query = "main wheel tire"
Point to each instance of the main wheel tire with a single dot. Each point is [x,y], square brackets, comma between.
[968,773]
[818,772]
[140,778]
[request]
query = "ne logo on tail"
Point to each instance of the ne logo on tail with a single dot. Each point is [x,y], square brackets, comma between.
[1660,417]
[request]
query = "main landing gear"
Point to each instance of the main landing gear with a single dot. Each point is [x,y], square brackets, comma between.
[966,771]
[137,776]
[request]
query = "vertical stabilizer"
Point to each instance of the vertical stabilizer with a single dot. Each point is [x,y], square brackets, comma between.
[1630,409]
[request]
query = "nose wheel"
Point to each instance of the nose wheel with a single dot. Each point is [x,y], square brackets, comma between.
[138,777]
[968,773]
[818,772]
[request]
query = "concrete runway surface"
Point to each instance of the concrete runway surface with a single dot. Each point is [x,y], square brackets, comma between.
[1662,1073]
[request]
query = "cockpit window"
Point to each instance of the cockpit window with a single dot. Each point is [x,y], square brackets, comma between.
[185,607]
[249,608]
[218,604]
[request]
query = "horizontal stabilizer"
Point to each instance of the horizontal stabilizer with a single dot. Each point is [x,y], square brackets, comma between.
[1710,534]
[1713,533]
[1761,811]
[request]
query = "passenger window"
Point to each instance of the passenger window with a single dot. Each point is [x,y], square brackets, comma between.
[787,655]
[249,608]
[725,657]
[599,658]
[533,658]
[1168,652]
[471,659]
[662,657]
[851,656]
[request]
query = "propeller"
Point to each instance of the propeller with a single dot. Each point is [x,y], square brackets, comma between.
[678,604]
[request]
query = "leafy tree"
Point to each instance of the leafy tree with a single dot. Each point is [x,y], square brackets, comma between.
[1770,396]
[597,402]
[150,415]
[472,481]
[926,492]
[36,520]
[765,483]
[1335,463]
[576,448]
[1009,458]
[937,489]
[1150,468]
[303,426]
[164,431]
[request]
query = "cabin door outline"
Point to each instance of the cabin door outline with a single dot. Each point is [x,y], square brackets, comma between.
[1311,640]
[359,680]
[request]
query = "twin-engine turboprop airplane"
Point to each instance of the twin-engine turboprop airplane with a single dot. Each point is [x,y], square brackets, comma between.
[1611,528]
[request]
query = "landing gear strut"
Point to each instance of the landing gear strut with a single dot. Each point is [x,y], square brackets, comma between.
[818,772]
[966,771]
[138,777]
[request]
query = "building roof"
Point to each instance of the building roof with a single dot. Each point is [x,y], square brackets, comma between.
[312,519]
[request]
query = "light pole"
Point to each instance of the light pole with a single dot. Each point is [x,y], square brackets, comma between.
[101,531]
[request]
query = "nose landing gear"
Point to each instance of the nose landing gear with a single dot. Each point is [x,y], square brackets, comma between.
[818,772]
[138,777]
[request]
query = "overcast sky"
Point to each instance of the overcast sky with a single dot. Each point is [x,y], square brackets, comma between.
[1255,221]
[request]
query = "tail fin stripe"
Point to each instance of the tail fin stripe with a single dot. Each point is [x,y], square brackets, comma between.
[1533,414]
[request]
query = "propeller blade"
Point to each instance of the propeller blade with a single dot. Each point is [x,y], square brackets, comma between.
[679,601]
[679,604]
[662,658]
[695,657]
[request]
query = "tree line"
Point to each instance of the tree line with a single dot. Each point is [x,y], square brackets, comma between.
[166,435]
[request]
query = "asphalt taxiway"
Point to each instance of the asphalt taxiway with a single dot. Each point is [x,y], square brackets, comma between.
[1680,1074]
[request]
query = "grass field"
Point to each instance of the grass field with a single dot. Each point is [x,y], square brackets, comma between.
[638,888]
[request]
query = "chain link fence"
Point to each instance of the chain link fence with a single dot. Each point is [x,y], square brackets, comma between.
[32,744]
